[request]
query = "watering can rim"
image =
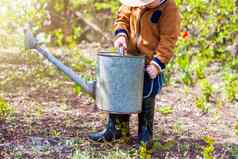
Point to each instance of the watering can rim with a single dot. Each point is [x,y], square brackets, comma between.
[115,54]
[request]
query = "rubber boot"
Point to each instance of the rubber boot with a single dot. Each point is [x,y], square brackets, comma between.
[117,127]
[145,129]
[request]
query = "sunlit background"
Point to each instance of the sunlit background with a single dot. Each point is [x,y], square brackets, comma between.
[14,14]
[62,20]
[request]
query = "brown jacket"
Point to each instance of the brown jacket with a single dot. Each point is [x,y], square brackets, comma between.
[152,32]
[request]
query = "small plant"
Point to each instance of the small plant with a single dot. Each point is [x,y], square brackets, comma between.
[55,133]
[206,89]
[80,155]
[199,66]
[231,91]
[187,78]
[77,89]
[118,154]
[183,61]
[18,155]
[166,110]
[219,102]
[236,128]
[209,149]
[38,111]
[199,72]
[5,110]
[231,86]
[233,149]
[167,146]
[178,128]
[144,153]
[184,148]
[90,153]
[201,104]
[168,73]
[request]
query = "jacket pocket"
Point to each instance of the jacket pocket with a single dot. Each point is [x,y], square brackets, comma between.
[155,17]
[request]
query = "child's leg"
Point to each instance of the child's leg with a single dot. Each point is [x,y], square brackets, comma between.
[117,127]
[146,118]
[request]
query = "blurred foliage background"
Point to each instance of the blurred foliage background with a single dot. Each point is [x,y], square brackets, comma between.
[213,23]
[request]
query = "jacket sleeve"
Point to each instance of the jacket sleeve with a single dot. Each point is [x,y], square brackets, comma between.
[169,31]
[122,23]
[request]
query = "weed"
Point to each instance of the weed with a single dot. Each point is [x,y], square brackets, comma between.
[38,111]
[81,155]
[77,89]
[186,90]
[201,104]
[55,133]
[144,153]
[233,149]
[5,110]
[209,149]
[187,79]
[167,146]
[178,128]
[168,73]
[166,110]
[118,154]
[183,62]
[199,70]
[219,103]
[18,155]
[236,128]
[206,89]
[184,148]
[89,153]
[231,86]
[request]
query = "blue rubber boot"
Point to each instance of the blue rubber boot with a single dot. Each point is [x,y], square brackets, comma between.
[117,127]
[146,120]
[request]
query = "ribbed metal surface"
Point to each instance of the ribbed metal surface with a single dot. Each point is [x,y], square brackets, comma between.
[119,83]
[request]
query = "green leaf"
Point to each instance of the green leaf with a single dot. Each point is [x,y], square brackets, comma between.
[77,89]
[166,110]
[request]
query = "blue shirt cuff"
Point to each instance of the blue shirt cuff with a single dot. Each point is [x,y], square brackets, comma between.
[121,31]
[158,63]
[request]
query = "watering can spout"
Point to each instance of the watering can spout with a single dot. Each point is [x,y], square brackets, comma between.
[31,43]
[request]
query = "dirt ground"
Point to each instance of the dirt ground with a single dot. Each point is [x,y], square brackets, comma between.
[51,121]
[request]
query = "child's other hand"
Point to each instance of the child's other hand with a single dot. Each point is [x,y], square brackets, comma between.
[152,71]
[121,41]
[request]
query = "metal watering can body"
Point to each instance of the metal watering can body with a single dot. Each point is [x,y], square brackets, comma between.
[119,79]
[119,83]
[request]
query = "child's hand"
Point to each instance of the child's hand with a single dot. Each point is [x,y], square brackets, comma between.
[152,71]
[121,41]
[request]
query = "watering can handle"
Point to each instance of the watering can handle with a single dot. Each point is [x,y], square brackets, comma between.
[121,51]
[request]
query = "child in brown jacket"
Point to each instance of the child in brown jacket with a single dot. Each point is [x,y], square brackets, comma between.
[149,28]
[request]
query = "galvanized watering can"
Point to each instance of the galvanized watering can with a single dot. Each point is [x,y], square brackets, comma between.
[119,79]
